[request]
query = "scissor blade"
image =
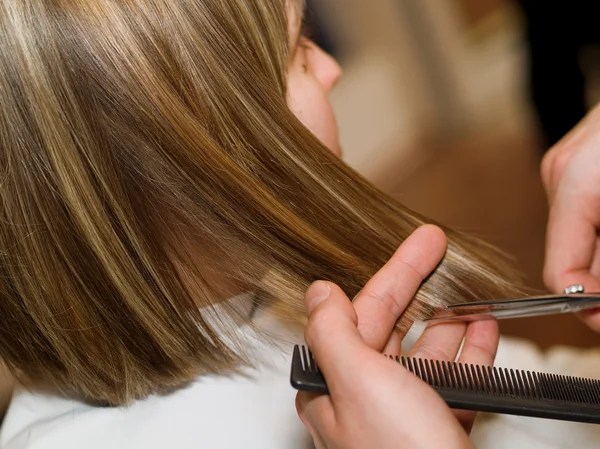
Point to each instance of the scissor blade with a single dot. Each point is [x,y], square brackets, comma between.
[518,308]
[511,302]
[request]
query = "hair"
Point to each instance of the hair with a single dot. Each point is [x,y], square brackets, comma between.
[150,169]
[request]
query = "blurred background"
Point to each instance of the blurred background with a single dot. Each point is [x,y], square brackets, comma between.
[449,105]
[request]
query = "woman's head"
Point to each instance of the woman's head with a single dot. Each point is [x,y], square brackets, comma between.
[152,167]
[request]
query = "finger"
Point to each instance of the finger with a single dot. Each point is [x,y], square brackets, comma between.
[331,333]
[479,348]
[559,157]
[319,441]
[383,299]
[591,318]
[302,400]
[481,343]
[595,268]
[440,341]
[572,251]
[443,341]
[570,245]
[393,346]
[317,414]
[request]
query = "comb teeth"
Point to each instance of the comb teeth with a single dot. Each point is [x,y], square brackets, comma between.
[308,361]
[483,388]
[305,374]
[503,382]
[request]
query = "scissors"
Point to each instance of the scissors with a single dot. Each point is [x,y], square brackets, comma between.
[573,300]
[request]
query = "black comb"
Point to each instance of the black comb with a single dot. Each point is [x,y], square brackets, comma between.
[483,388]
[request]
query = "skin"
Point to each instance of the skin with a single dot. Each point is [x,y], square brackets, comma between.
[312,75]
[571,176]
[373,401]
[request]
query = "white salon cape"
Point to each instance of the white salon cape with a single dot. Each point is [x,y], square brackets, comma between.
[515,432]
[258,412]
[251,412]
[493,431]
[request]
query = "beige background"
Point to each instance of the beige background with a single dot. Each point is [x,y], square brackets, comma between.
[434,109]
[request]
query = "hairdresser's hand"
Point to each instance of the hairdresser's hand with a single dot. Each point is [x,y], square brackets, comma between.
[373,402]
[571,176]
[387,294]
[384,298]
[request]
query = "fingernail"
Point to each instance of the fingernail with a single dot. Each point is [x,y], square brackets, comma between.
[317,293]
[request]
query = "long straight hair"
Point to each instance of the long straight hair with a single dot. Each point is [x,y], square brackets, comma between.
[150,168]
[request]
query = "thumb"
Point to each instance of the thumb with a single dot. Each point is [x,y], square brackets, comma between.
[332,333]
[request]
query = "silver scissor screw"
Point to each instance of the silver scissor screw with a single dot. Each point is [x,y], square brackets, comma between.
[575,288]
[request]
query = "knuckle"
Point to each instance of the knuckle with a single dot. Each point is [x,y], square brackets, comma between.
[554,163]
[546,167]
[560,161]
[387,298]
[410,267]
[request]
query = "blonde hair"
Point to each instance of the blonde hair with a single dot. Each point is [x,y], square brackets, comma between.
[150,168]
